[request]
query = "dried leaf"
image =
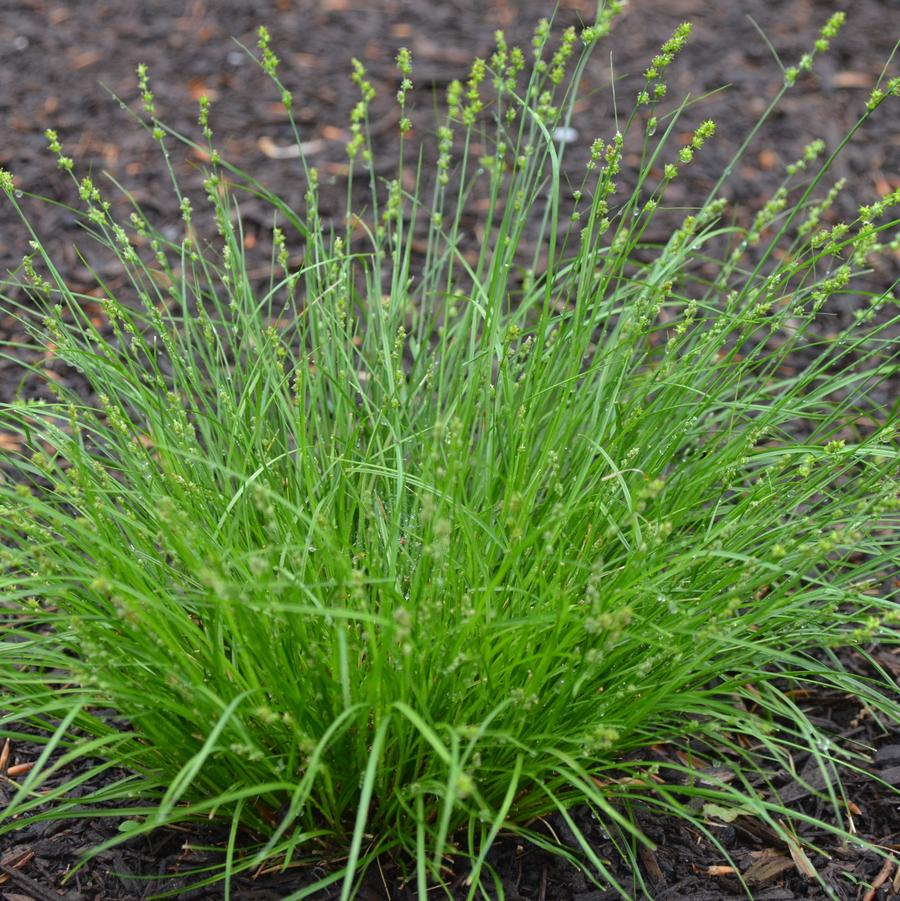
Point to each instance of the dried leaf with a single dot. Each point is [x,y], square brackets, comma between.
[801,861]
[725,814]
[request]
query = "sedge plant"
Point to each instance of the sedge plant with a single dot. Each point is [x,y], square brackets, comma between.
[415,541]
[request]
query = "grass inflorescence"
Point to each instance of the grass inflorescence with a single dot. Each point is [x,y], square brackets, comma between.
[415,540]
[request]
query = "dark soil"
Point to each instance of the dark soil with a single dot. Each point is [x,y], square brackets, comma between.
[55,59]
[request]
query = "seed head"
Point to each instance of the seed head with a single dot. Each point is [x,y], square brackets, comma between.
[875,99]
[64,162]
[706,130]
[831,28]
[404,61]
[269,61]
[561,57]
[144,87]
[541,33]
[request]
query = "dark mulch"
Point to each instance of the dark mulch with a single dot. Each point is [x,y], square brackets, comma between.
[54,57]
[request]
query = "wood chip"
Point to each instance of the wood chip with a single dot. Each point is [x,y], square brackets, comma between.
[760,831]
[198,89]
[333,133]
[15,859]
[34,889]
[768,159]
[887,754]
[84,58]
[648,859]
[853,80]
[288,151]
[335,168]
[9,442]
[720,871]
[766,871]
[882,185]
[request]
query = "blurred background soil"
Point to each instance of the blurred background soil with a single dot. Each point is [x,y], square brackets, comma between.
[61,61]
[60,64]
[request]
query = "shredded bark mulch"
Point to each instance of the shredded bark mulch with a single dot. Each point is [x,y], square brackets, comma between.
[58,63]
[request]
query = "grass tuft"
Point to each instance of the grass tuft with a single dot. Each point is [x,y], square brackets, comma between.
[415,540]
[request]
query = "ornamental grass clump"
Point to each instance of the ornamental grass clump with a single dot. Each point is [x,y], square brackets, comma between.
[417,539]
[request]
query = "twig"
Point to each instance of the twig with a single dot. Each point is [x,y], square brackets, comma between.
[879,880]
